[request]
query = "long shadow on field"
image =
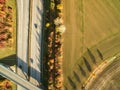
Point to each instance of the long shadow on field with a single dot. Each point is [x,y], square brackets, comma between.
[91,56]
[100,54]
[87,64]
[82,71]
[71,83]
[76,76]
[9,60]
[65,88]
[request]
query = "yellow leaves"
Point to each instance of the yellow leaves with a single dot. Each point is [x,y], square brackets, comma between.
[2,12]
[60,6]
[47,25]
[11,40]
[52,60]
[60,29]
[52,4]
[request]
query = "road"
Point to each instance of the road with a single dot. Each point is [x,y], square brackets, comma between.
[22,38]
[37,11]
[22,35]
[5,72]
[106,76]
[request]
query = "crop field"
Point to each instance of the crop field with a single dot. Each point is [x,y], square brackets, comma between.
[92,36]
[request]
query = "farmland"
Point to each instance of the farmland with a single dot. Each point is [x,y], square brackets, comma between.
[92,36]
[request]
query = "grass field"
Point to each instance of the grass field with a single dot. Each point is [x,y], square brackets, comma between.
[10,50]
[92,35]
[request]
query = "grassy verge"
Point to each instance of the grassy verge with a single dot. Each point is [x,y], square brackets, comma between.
[8,54]
[10,50]
[7,85]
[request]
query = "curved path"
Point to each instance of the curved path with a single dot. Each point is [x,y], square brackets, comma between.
[106,76]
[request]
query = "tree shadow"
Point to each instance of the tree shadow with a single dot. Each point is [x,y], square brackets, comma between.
[76,76]
[40,11]
[40,15]
[9,60]
[40,49]
[100,54]
[65,88]
[82,71]
[91,56]
[87,64]
[71,83]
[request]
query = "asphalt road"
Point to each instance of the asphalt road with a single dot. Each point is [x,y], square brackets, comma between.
[22,35]
[4,71]
[22,39]
[37,11]
[106,76]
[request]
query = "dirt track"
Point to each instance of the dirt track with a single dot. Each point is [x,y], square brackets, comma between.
[108,79]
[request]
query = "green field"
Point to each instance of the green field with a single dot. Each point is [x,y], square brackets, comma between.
[92,36]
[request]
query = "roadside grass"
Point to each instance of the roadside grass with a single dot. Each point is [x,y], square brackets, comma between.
[3,82]
[100,36]
[8,55]
[10,50]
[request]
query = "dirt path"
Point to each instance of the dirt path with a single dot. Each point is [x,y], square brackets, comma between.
[103,80]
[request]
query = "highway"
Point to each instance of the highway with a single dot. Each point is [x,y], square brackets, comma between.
[22,36]
[7,73]
[37,11]
[23,22]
